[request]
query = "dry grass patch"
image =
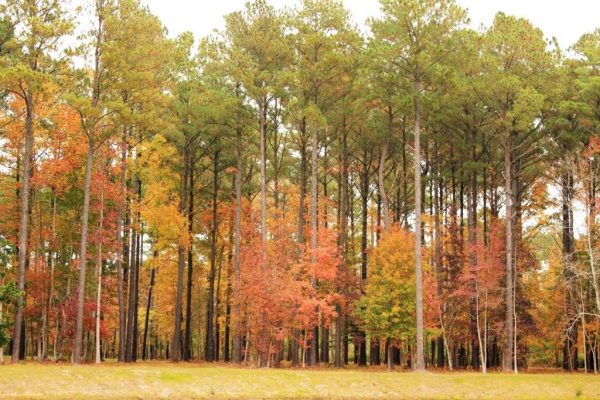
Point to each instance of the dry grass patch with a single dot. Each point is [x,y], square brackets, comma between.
[193,381]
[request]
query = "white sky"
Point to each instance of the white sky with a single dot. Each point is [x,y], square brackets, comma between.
[566,20]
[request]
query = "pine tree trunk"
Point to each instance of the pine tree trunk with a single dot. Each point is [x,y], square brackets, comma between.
[121,248]
[187,343]
[420,355]
[83,252]
[474,311]
[508,189]
[176,353]
[209,354]
[340,319]
[263,181]
[23,252]
[217,334]
[147,316]
[385,207]
[364,193]
[568,240]
[237,338]
[131,307]
[99,278]
[313,359]
[230,257]
[301,222]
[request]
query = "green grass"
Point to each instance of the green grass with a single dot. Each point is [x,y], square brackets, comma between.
[193,381]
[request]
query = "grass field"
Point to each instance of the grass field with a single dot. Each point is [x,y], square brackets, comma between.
[192,381]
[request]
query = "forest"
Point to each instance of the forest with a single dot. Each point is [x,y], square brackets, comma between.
[293,190]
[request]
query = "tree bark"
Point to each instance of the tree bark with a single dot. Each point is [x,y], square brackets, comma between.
[364,193]
[340,319]
[83,252]
[420,355]
[510,308]
[209,354]
[568,241]
[385,207]
[99,277]
[313,234]
[147,316]
[176,353]
[237,338]
[301,221]
[23,251]
[187,343]
[121,248]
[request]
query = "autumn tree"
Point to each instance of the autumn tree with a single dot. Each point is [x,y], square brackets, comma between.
[417,35]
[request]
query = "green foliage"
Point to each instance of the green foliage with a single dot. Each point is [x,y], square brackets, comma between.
[388,306]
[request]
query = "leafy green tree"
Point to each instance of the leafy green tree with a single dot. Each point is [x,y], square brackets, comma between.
[415,37]
[519,64]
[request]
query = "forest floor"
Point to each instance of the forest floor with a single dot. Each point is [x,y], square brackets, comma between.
[202,381]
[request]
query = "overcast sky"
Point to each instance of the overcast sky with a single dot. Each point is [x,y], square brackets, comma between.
[566,20]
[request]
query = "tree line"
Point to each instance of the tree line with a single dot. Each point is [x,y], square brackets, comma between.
[292,190]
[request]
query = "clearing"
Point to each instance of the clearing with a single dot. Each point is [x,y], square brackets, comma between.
[202,381]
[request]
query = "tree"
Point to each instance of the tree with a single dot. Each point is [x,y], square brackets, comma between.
[28,71]
[324,44]
[387,308]
[517,61]
[417,34]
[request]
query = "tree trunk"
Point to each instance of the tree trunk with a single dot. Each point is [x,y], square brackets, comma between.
[313,234]
[404,175]
[474,311]
[217,334]
[147,316]
[364,192]
[131,307]
[568,241]
[263,181]
[121,248]
[510,308]
[83,252]
[237,338]
[420,361]
[230,257]
[385,207]
[187,343]
[340,322]
[176,353]
[209,354]
[23,251]
[301,210]
[99,277]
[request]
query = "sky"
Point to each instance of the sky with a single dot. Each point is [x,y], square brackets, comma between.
[566,20]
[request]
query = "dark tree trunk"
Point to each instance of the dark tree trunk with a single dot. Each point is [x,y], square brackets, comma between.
[301,210]
[122,249]
[176,353]
[133,272]
[364,193]
[147,317]
[343,221]
[138,263]
[18,338]
[568,252]
[187,343]
[237,338]
[217,306]
[230,257]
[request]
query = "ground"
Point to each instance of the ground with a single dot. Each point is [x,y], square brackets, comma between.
[193,381]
